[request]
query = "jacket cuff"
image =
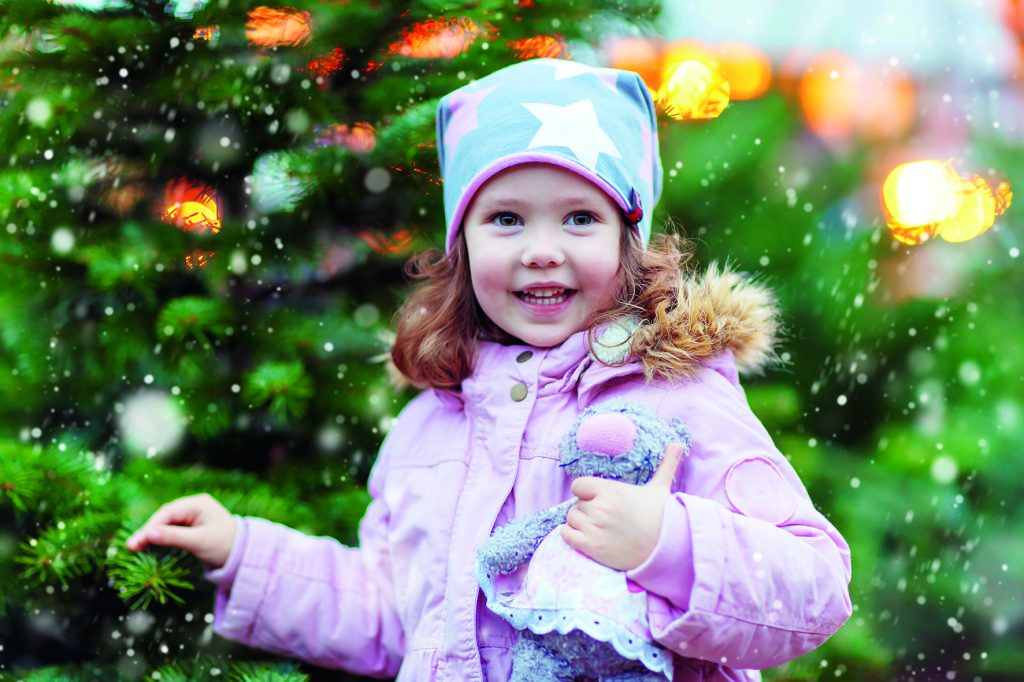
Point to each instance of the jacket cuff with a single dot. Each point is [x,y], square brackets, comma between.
[668,571]
[237,603]
[225,575]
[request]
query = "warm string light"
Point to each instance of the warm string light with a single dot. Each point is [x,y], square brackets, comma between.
[274,27]
[198,259]
[191,207]
[438,38]
[208,33]
[840,98]
[414,168]
[397,243]
[326,64]
[693,91]
[536,47]
[693,80]
[746,68]
[925,199]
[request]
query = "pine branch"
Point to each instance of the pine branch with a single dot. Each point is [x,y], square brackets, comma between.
[146,576]
[68,549]
[195,317]
[284,386]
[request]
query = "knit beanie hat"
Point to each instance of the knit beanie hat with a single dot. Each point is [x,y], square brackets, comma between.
[597,122]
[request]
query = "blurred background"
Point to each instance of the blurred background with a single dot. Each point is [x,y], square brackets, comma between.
[205,207]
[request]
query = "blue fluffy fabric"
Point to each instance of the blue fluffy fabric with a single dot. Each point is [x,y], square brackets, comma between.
[564,646]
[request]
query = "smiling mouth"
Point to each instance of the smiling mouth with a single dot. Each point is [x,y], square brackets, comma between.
[545,296]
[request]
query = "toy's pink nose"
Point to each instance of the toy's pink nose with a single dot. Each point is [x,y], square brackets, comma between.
[611,434]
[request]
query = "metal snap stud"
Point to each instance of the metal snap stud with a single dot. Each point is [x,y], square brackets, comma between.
[519,392]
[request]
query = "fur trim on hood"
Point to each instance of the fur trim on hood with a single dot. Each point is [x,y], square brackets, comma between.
[717,311]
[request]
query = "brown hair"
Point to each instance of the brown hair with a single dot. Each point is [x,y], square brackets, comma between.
[439,324]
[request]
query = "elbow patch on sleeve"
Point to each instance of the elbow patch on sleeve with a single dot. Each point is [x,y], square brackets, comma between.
[757,489]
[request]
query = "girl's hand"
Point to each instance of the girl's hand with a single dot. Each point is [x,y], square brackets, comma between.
[198,524]
[618,524]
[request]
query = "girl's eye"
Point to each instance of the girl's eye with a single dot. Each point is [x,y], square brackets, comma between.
[582,214]
[502,222]
[503,219]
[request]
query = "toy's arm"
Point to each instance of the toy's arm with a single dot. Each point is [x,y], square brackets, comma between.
[513,544]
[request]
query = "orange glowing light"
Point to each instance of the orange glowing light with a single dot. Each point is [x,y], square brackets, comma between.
[397,243]
[636,54]
[270,27]
[979,208]
[198,259]
[693,90]
[551,47]
[840,98]
[208,33]
[437,38]
[359,138]
[828,95]
[746,68]
[191,207]
[326,64]
[887,107]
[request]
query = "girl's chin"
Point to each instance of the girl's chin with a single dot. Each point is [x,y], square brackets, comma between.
[546,336]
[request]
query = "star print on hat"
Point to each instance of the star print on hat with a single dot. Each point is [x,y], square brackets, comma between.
[597,122]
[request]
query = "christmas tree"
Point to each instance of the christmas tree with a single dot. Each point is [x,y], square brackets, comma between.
[215,201]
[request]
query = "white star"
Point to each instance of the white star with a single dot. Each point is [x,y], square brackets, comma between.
[574,126]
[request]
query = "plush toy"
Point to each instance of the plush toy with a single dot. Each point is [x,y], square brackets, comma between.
[578,618]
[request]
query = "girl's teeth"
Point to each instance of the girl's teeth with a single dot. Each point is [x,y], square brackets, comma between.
[545,300]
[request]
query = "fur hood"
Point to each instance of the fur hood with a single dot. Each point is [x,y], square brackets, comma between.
[718,310]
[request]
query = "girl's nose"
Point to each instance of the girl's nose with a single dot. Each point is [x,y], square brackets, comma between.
[610,434]
[543,251]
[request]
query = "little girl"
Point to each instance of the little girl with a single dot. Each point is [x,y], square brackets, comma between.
[548,299]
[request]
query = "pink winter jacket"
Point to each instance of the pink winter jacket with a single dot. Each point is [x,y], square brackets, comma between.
[746,575]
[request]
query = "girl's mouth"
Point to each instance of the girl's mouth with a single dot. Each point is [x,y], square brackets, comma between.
[545,301]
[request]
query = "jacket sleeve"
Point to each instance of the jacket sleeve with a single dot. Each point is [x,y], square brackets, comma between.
[313,598]
[746,572]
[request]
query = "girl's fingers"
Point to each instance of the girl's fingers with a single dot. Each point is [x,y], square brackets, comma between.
[180,512]
[174,536]
[183,537]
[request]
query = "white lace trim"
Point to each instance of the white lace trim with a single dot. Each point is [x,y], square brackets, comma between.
[543,621]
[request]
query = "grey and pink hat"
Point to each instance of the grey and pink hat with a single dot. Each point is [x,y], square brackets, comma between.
[597,122]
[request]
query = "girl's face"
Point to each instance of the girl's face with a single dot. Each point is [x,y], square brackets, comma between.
[543,245]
